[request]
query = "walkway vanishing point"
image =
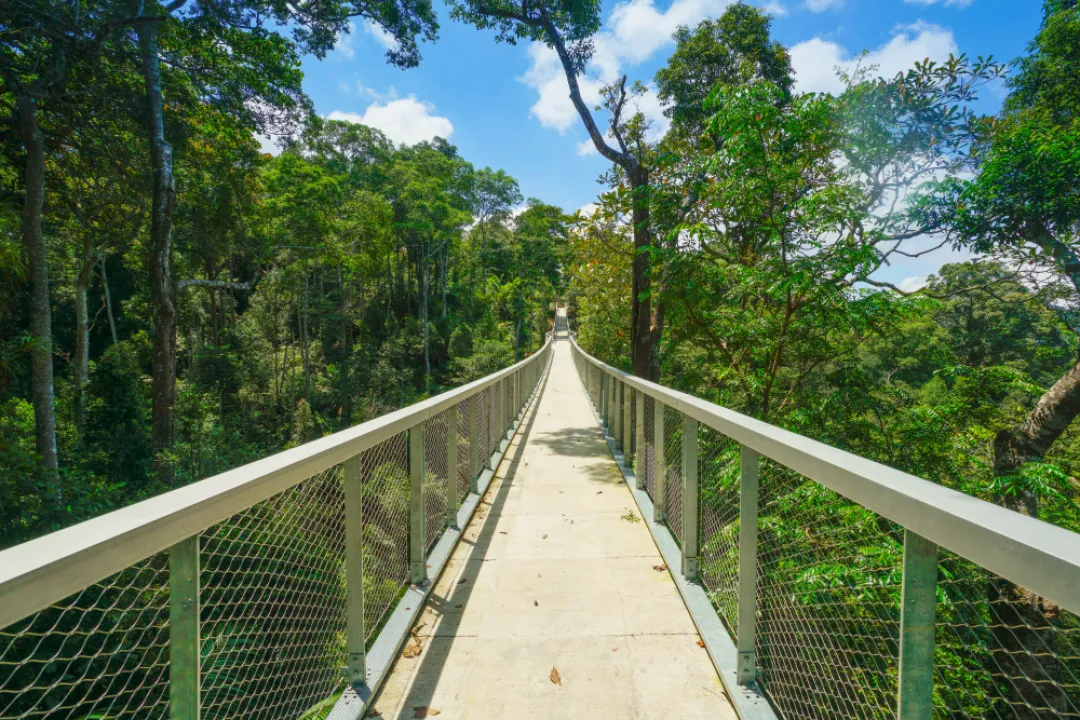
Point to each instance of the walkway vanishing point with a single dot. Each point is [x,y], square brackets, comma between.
[557,603]
[490,553]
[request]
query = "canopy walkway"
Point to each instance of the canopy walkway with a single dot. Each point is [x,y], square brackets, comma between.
[492,553]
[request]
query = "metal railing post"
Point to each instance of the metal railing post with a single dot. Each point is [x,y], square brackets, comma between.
[918,609]
[451,467]
[627,425]
[476,457]
[604,402]
[746,645]
[659,462]
[690,498]
[417,547]
[184,642]
[616,413]
[493,433]
[639,439]
[356,637]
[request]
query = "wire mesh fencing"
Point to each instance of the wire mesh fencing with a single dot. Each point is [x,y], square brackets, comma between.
[673,488]
[828,601]
[273,604]
[1001,651]
[464,448]
[650,451]
[719,484]
[436,475]
[102,652]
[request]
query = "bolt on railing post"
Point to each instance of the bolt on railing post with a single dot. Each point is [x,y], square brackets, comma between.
[659,462]
[690,498]
[476,457]
[184,642]
[746,644]
[918,608]
[639,440]
[451,467]
[417,547]
[627,425]
[356,637]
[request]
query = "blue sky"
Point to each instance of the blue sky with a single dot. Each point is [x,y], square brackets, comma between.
[505,106]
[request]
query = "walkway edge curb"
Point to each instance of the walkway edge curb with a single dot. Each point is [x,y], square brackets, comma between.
[749,704]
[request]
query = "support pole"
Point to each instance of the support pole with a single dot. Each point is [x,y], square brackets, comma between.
[748,530]
[918,609]
[690,498]
[184,642]
[627,425]
[639,439]
[356,637]
[659,463]
[417,546]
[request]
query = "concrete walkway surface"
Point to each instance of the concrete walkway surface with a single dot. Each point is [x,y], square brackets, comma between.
[556,603]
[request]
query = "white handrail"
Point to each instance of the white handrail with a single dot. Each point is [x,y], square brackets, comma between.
[38,573]
[1034,554]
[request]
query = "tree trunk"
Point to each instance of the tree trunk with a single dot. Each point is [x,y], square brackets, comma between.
[305,351]
[424,318]
[1023,627]
[445,280]
[346,394]
[162,288]
[82,330]
[108,299]
[517,339]
[644,337]
[40,311]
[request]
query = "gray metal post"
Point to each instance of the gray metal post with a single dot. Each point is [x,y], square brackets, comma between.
[616,412]
[604,401]
[627,425]
[639,439]
[476,455]
[748,530]
[690,498]
[451,466]
[354,573]
[918,606]
[659,462]
[417,546]
[493,432]
[184,640]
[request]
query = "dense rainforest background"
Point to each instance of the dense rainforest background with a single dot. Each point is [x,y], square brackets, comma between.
[176,303]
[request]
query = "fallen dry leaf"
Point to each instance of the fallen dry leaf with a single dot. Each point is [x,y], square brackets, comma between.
[659,568]
[701,643]
[462,581]
[545,536]
[555,677]
[536,604]
[423,711]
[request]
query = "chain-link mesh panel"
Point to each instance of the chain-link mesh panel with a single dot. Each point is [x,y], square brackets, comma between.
[718,478]
[100,653]
[464,448]
[385,497]
[828,601]
[673,490]
[650,451]
[273,604]
[436,475]
[999,651]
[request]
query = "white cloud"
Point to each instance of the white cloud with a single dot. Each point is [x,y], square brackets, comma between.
[819,6]
[381,35]
[815,61]
[344,44]
[910,284]
[633,33]
[268,144]
[774,8]
[406,120]
[586,147]
[588,209]
[945,3]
